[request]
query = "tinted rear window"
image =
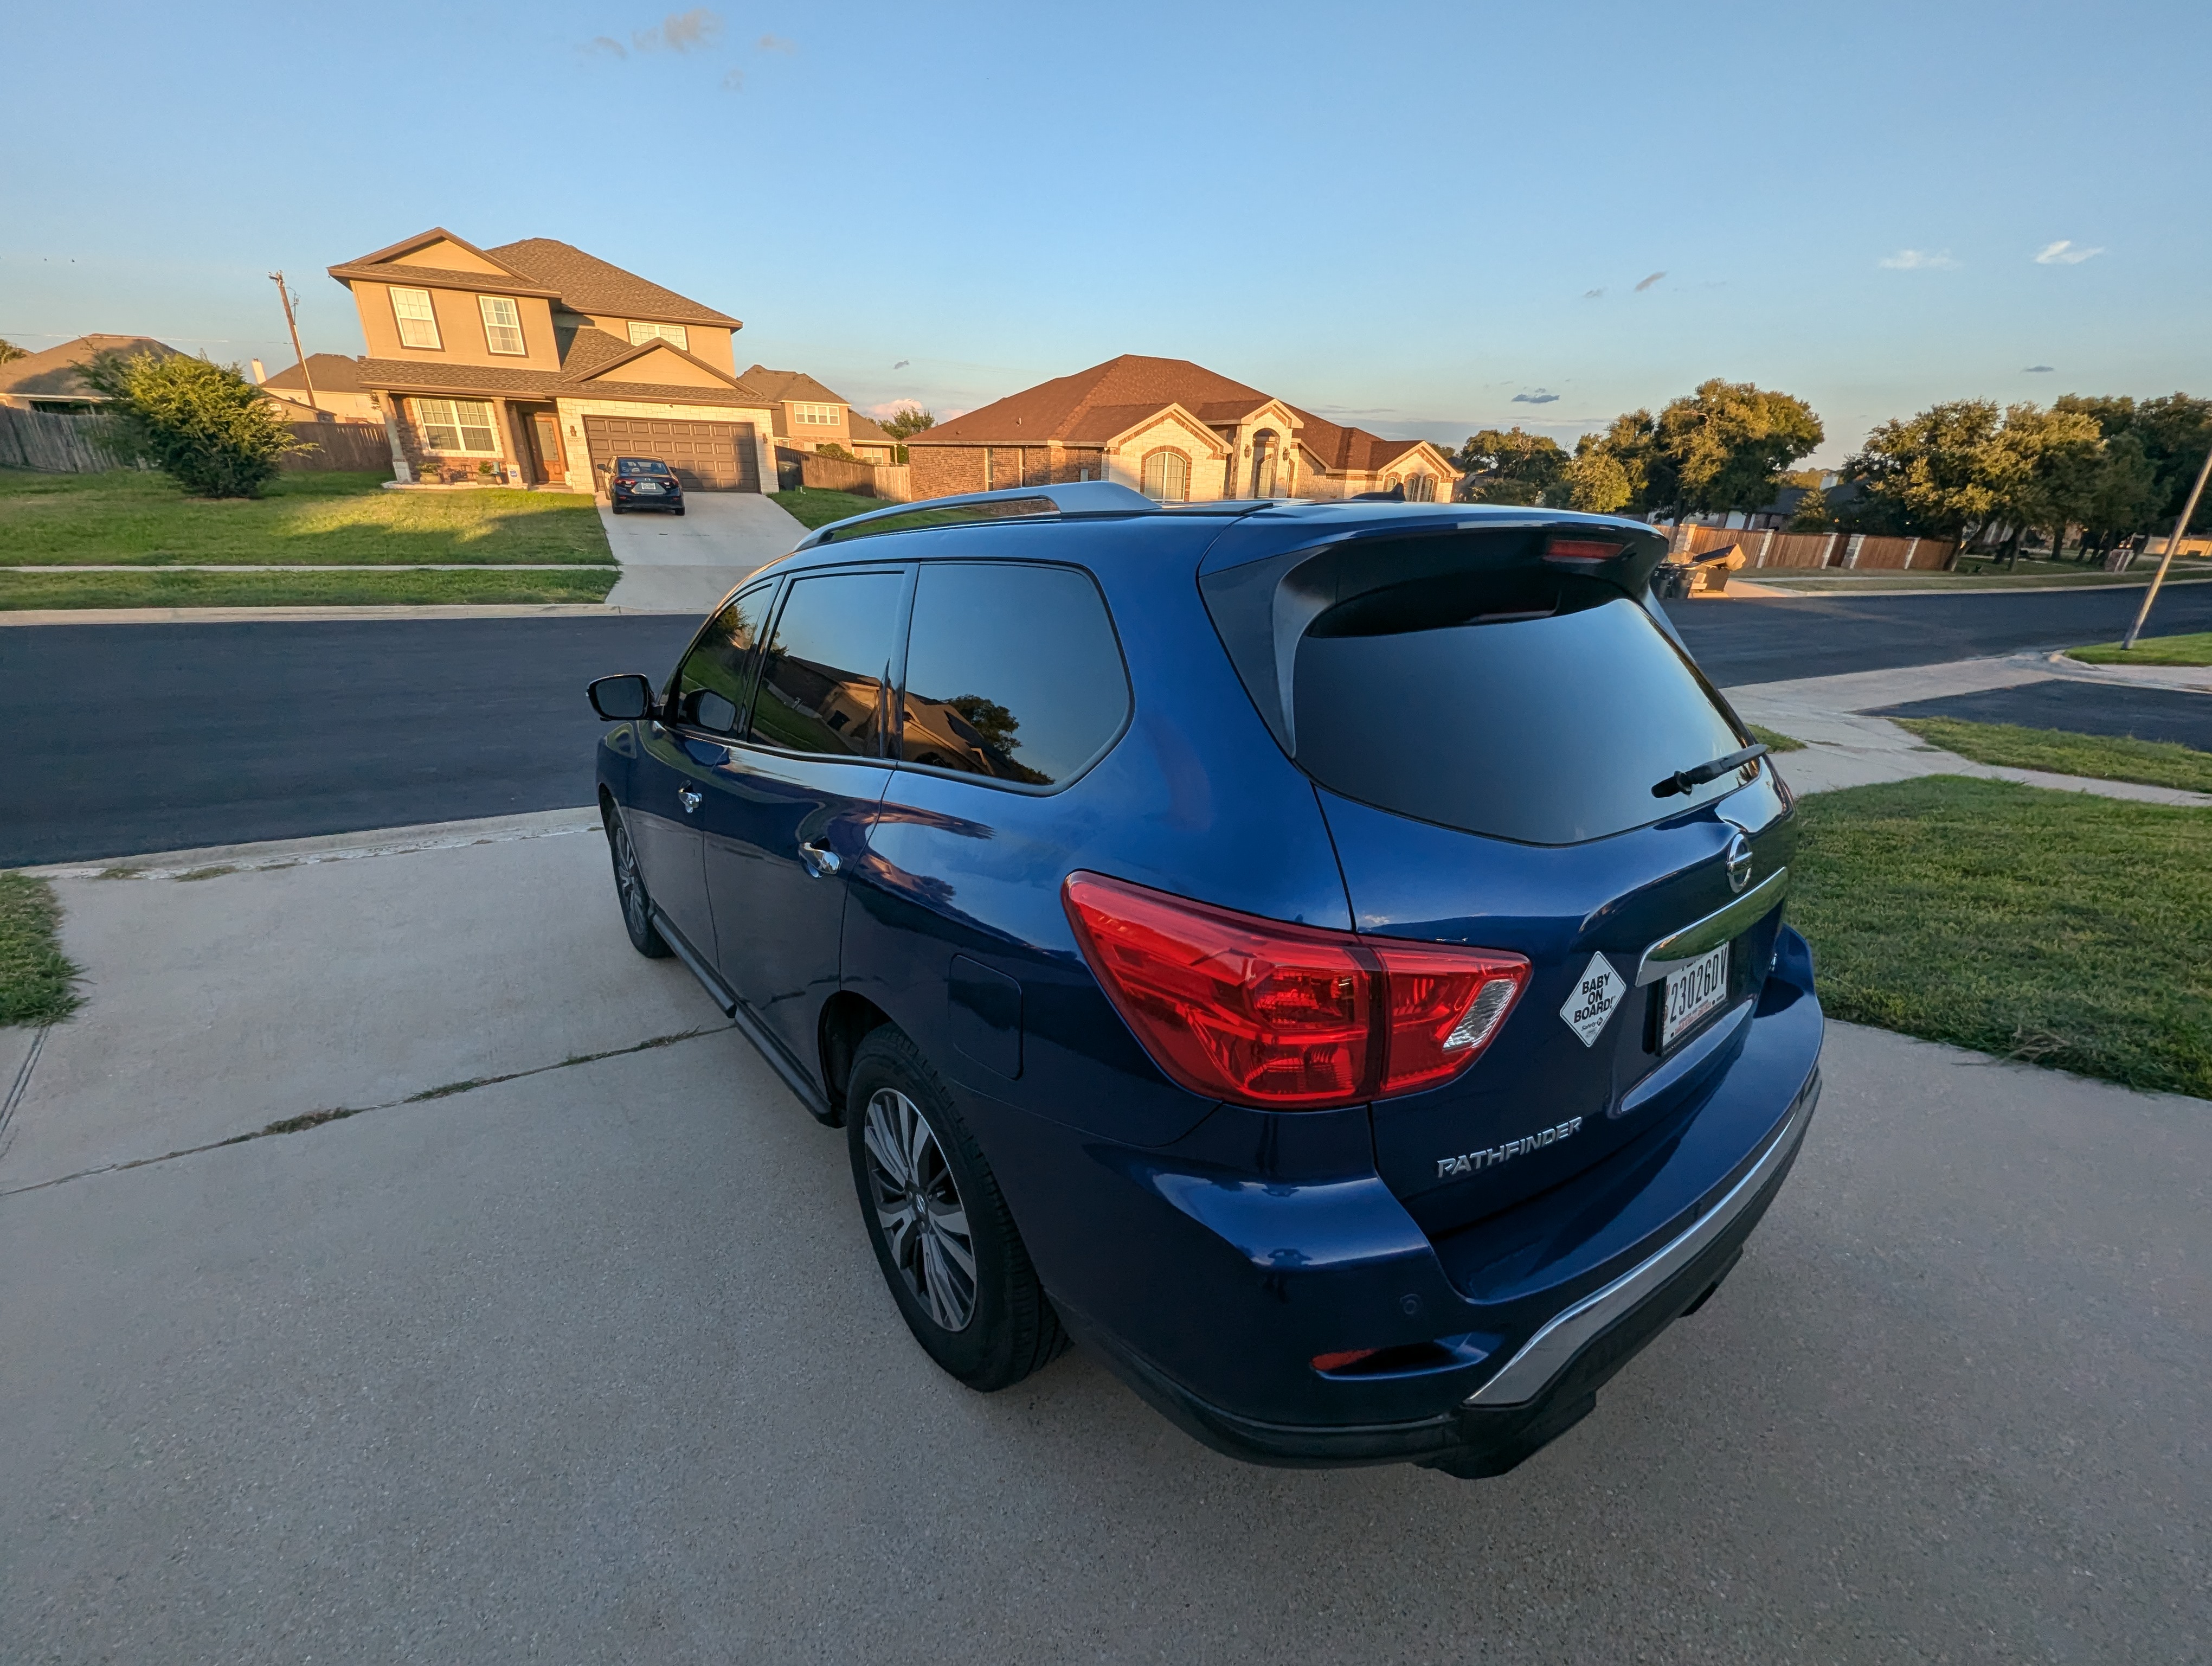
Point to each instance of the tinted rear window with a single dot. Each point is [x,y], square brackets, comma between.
[1012,672]
[1548,730]
[636,465]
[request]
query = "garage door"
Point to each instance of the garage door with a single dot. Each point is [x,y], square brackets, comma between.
[707,456]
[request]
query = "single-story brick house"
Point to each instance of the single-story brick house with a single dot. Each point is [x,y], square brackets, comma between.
[808,416]
[1174,430]
[538,363]
[50,379]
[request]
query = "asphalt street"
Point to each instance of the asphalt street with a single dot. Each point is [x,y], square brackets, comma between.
[131,738]
[126,738]
[2174,714]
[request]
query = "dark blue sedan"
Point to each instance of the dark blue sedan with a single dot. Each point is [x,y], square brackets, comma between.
[1327,958]
[644,482]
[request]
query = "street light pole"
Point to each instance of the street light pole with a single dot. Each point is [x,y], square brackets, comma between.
[2188,510]
[285,295]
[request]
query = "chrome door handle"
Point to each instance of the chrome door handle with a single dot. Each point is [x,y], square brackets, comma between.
[690,798]
[819,859]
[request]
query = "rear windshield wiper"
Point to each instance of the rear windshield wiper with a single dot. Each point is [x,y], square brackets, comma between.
[1683,781]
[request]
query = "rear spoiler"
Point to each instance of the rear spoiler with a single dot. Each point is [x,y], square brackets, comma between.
[1263,599]
[1081,497]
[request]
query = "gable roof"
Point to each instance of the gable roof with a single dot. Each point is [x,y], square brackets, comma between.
[1349,450]
[592,353]
[52,373]
[334,373]
[1097,404]
[382,266]
[589,284]
[865,428]
[792,385]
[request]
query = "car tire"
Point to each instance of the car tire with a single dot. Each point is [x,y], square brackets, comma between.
[614,508]
[991,1324]
[679,508]
[629,890]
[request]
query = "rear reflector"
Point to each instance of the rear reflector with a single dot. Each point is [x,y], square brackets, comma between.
[1288,1017]
[1339,1361]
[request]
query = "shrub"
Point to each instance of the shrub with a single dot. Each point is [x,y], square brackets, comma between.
[203,424]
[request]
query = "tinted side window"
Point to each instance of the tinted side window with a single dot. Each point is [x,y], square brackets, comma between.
[822,679]
[712,682]
[1012,671]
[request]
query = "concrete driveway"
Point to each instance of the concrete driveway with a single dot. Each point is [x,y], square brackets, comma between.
[685,564]
[568,1347]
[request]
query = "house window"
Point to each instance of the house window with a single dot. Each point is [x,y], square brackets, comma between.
[418,323]
[502,321]
[674,334]
[1420,488]
[462,425]
[1167,476]
[815,415]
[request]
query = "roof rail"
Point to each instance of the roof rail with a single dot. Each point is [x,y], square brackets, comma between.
[1075,497]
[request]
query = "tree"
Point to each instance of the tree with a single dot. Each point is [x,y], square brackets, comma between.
[1510,466]
[1628,445]
[1727,443]
[2043,470]
[202,423]
[1812,513]
[10,351]
[1933,473]
[907,422]
[1597,482]
[2172,435]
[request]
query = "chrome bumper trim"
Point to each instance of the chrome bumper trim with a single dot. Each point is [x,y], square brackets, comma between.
[1543,1355]
[1702,936]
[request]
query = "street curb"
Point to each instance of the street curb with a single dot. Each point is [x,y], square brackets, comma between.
[329,846]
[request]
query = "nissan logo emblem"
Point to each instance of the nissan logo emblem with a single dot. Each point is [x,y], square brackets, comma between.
[1739,862]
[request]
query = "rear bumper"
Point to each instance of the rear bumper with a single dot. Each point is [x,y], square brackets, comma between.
[1544,1386]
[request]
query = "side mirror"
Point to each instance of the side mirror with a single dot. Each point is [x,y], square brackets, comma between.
[621,698]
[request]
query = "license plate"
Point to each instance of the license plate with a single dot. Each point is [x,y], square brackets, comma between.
[1699,988]
[646,486]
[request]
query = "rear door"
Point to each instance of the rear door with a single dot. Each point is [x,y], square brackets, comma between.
[1496,738]
[789,804]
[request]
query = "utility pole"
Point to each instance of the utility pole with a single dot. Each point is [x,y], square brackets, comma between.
[2173,544]
[285,295]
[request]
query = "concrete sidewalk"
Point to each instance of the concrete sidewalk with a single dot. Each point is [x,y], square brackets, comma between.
[593,1364]
[686,564]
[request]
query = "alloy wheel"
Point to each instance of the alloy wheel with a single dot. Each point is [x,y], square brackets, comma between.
[918,1204]
[629,884]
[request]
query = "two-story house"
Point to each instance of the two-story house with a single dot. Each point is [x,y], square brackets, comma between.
[808,416]
[1175,431]
[537,363]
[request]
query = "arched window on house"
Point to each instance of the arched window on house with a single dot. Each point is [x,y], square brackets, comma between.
[1420,488]
[1167,476]
[1266,446]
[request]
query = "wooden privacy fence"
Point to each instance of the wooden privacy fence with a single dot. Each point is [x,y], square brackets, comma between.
[1857,551]
[340,446]
[55,444]
[890,481]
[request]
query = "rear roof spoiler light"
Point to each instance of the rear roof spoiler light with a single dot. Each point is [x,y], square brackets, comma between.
[1582,550]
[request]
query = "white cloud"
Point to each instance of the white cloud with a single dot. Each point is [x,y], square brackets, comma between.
[1649,281]
[1915,260]
[1592,295]
[775,43]
[602,46]
[2063,253]
[680,32]
[1541,397]
[2038,370]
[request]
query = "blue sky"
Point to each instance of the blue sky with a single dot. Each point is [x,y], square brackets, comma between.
[1423,218]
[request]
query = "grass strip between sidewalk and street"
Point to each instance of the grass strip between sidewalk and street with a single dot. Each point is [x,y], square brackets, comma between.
[2193,649]
[37,981]
[1775,739]
[129,517]
[155,588]
[2056,927]
[2061,752]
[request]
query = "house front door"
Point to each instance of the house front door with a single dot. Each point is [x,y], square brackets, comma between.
[552,465]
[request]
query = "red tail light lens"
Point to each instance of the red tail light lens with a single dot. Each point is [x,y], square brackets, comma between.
[1255,1011]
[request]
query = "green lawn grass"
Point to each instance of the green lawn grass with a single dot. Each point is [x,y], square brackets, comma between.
[2103,757]
[1775,739]
[131,518]
[36,979]
[157,589]
[811,506]
[2192,650]
[2069,930]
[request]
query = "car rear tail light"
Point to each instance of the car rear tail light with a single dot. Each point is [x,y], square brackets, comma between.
[1287,1017]
[1582,551]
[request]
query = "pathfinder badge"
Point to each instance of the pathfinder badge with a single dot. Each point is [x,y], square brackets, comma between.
[1470,1162]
